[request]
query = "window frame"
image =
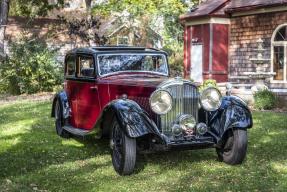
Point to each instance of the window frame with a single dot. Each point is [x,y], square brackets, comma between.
[77,77]
[276,44]
[78,56]
[66,66]
[121,37]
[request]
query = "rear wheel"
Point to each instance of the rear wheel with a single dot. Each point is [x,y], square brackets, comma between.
[235,147]
[59,122]
[123,150]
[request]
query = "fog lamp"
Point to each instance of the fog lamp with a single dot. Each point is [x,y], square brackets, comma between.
[187,122]
[201,128]
[176,130]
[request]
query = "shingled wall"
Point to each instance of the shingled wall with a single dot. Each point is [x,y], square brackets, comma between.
[244,32]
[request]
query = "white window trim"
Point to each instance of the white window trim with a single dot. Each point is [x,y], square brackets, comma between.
[119,37]
[224,21]
[279,43]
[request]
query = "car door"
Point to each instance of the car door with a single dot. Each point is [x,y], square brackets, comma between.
[70,86]
[88,105]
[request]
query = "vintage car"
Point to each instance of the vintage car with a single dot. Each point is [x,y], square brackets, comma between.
[125,94]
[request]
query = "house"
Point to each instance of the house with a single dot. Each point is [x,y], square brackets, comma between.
[118,29]
[133,33]
[49,30]
[239,41]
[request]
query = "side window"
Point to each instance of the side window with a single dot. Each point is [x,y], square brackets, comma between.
[70,66]
[86,66]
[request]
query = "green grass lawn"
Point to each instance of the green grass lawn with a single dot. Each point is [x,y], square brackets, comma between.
[34,158]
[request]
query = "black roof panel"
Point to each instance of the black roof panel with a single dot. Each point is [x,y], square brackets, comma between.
[123,48]
[113,48]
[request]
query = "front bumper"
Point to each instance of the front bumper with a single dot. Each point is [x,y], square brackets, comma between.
[194,142]
[190,145]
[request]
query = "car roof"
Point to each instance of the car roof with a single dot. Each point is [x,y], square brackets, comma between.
[109,49]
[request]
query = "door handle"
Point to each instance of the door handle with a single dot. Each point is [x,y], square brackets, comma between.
[94,88]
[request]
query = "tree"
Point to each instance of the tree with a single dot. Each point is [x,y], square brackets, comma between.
[33,8]
[4,11]
[31,67]
[138,9]
[152,13]
[85,27]
[26,8]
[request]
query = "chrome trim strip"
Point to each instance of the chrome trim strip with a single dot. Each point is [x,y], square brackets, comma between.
[77,131]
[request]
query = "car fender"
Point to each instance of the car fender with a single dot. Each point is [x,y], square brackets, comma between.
[65,108]
[133,120]
[233,113]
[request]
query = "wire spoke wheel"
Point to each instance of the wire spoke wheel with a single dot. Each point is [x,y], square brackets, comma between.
[118,145]
[123,151]
[59,122]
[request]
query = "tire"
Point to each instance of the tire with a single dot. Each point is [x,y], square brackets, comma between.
[123,150]
[59,122]
[234,150]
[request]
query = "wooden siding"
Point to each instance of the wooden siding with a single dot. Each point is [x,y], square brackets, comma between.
[217,68]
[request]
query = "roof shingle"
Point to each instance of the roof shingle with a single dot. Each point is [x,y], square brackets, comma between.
[235,5]
[206,8]
[221,7]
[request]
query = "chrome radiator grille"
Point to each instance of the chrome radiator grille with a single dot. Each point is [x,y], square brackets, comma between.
[185,101]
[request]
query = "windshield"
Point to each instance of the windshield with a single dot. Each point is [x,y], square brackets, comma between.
[112,63]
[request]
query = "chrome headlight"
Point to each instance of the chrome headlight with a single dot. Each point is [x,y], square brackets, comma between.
[161,102]
[210,99]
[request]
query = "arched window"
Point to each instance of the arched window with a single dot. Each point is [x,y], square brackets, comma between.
[281,34]
[279,53]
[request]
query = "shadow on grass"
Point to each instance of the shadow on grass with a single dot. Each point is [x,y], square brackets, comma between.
[266,151]
[35,145]
[33,155]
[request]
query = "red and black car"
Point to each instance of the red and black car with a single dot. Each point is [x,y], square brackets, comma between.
[125,94]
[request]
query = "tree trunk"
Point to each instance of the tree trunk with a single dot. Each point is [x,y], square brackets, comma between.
[88,5]
[89,18]
[4,11]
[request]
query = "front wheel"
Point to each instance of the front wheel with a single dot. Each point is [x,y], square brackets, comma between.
[123,150]
[234,150]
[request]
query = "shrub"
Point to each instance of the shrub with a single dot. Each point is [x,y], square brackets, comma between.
[30,68]
[208,83]
[264,99]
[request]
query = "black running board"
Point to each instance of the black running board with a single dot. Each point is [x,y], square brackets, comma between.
[76,131]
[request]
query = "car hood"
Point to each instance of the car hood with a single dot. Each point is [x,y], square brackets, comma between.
[134,80]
